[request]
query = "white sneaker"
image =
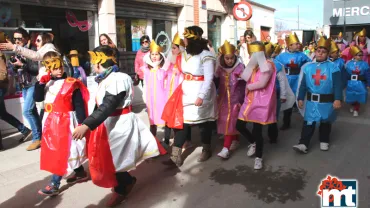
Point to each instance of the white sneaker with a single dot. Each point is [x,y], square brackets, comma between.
[351,110]
[258,164]
[251,150]
[324,146]
[355,113]
[225,154]
[301,148]
[234,145]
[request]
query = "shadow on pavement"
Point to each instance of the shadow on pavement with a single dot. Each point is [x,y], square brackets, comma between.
[11,141]
[28,197]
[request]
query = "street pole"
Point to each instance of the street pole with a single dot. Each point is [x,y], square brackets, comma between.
[298,17]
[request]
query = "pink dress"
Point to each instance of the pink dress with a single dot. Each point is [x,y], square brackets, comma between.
[155,94]
[260,105]
[173,80]
[230,97]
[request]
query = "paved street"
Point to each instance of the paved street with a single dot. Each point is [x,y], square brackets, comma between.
[288,179]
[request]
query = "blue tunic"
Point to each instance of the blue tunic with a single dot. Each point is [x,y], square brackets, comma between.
[293,61]
[344,75]
[356,89]
[319,78]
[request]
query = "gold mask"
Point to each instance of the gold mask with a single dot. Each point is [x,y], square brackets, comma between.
[52,63]
[100,57]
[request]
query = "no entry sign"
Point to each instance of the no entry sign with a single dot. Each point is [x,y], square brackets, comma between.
[242,11]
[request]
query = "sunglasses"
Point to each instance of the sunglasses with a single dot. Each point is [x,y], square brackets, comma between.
[15,39]
[145,41]
[38,40]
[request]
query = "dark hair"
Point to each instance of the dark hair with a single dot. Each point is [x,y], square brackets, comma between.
[223,64]
[196,47]
[46,38]
[110,42]
[108,51]
[248,33]
[22,31]
[144,37]
[161,64]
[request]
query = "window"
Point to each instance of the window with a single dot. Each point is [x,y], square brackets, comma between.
[214,30]
[162,34]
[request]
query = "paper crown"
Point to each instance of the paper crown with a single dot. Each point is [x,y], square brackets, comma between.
[227,48]
[340,34]
[291,39]
[255,48]
[269,49]
[73,52]
[354,50]
[277,49]
[333,47]
[362,32]
[154,47]
[177,40]
[323,42]
[189,34]
[100,57]
[52,63]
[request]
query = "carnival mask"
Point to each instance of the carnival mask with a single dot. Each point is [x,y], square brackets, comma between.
[52,63]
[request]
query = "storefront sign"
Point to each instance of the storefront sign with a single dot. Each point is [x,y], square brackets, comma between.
[354,12]
[164,41]
[242,11]
[204,4]
[83,26]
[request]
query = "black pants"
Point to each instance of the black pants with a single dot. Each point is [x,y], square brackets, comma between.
[287,116]
[153,129]
[308,130]
[124,179]
[273,132]
[167,133]
[254,137]
[182,134]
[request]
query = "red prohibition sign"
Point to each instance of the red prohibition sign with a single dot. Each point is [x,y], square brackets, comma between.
[242,11]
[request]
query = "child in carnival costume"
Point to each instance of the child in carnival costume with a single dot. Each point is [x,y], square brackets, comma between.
[284,94]
[119,141]
[320,93]
[357,71]
[337,60]
[292,60]
[230,96]
[65,99]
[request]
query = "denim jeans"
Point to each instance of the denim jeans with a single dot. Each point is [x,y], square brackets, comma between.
[55,179]
[4,115]
[30,112]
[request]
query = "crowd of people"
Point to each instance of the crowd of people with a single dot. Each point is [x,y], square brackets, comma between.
[191,86]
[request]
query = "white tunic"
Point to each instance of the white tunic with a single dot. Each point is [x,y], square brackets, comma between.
[129,139]
[77,154]
[199,65]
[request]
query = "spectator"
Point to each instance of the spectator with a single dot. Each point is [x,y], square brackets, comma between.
[139,59]
[104,39]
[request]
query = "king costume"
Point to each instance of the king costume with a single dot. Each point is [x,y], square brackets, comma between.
[320,86]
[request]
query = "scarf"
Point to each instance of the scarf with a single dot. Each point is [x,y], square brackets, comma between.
[105,73]
[144,49]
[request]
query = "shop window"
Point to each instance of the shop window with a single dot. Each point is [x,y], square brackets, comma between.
[129,32]
[214,30]
[162,34]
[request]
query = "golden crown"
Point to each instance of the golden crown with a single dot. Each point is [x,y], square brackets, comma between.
[191,34]
[227,48]
[340,34]
[333,47]
[291,39]
[362,32]
[177,40]
[154,47]
[323,42]
[100,57]
[52,63]
[255,48]
[269,49]
[277,49]
[354,50]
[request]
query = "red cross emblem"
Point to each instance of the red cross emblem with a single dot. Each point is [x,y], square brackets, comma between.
[318,77]
[292,64]
[356,71]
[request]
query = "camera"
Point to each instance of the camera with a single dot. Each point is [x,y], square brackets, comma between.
[19,57]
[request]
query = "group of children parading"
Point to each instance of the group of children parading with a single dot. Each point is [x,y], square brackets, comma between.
[181,93]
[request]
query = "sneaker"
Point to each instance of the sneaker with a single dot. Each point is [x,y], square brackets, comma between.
[34,145]
[78,178]
[49,190]
[258,163]
[234,145]
[301,148]
[355,113]
[251,150]
[27,135]
[224,154]
[324,146]
[351,110]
